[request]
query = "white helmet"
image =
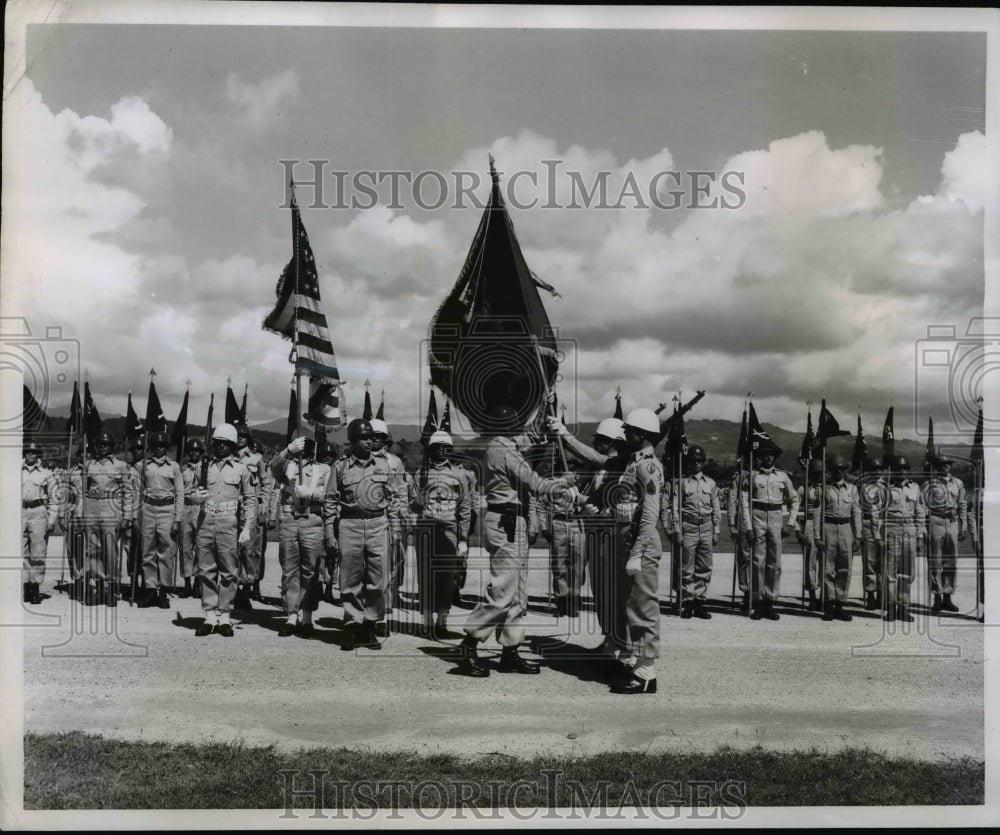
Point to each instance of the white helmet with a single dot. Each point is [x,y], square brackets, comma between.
[225,432]
[379,427]
[644,420]
[611,428]
[439,438]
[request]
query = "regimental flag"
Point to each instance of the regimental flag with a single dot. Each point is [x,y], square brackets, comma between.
[366,413]
[34,421]
[232,407]
[758,441]
[976,453]
[929,452]
[431,421]
[178,435]
[860,450]
[827,427]
[888,438]
[742,446]
[808,442]
[380,414]
[445,425]
[133,426]
[298,314]
[75,411]
[324,409]
[619,414]
[243,406]
[155,420]
[92,423]
[293,415]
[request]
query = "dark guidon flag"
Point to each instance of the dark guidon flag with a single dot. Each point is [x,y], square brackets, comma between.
[827,427]
[808,442]
[488,335]
[860,450]
[178,435]
[75,424]
[618,415]
[888,437]
[155,419]
[929,453]
[232,407]
[34,421]
[92,423]
[133,426]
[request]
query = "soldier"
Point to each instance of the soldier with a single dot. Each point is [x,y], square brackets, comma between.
[39,512]
[162,496]
[461,572]
[695,529]
[134,452]
[229,487]
[905,519]
[771,491]
[559,520]
[838,533]
[329,565]
[510,482]
[267,518]
[638,510]
[367,494]
[191,473]
[442,502]
[806,533]
[307,512]
[396,560]
[944,497]
[108,509]
[605,548]
[738,533]
[873,497]
[248,587]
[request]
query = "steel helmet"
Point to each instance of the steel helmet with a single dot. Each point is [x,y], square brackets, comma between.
[940,460]
[898,463]
[379,427]
[645,420]
[696,453]
[159,439]
[503,418]
[104,437]
[243,431]
[611,428]
[815,466]
[873,463]
[837,462]
[194,444]
[358,429]
[439,438]
[225,432]
[32,445]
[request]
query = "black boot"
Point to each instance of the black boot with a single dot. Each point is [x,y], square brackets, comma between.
[840,614]
[186,591]
[828,610]
[687,610]
[328,592]
[946,604]
[936,604]
[35,596]
[255,591]
[99,595]
[767,610]
[511,662]
[699,610]
[26,593]
[196,588]
[813,601]
[635,686]
[903,614]
[469,663]
[872,602]
[162,600]
[111,594]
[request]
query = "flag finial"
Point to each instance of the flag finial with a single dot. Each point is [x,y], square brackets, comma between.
[229,381]
[187,383]
[152,372]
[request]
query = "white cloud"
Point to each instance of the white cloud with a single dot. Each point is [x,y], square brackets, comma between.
[968,172]
[261,103]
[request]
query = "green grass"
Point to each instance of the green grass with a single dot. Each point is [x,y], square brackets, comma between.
[79,771]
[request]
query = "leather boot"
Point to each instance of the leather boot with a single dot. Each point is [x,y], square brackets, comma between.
[872,602]
[946,604]
[255,591]
[186,592]
[840,614]
[903,614]
[111,594]
[936,604]
[26,593]
[828,610]
[469,663]
[511,662]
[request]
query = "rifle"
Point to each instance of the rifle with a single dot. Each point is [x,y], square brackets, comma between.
[675,416]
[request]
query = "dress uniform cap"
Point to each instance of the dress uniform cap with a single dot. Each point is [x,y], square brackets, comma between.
[31,445]
[225,432]
[440,438]
[645,420]
[611,428]
[379,427]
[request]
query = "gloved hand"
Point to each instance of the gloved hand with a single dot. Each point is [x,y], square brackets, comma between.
[296,446]
[302,491]
[557,426]
[175,530]
[244,538]
[331,547]
[463,549]
[634,565]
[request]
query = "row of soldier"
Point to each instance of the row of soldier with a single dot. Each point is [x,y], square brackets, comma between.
[356,512]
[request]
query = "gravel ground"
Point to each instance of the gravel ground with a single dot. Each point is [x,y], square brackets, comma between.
[797,683]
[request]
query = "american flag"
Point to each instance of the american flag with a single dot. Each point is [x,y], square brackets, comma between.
[298,316]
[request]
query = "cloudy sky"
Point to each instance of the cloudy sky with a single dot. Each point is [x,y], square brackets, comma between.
[148,195]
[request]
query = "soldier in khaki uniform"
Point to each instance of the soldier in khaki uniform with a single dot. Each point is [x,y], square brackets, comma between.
[162,496]
[442,530]
[306,515]
[695,524]
[638,511]
[366,493]
[872,492]
[228,495]
[944,497]
[771,491]
[902,526]
[39,512]
[461,572]
[837,530]
[248,587]
[806,535]
[396,557]
[194,449]
[510,483]
[108,511]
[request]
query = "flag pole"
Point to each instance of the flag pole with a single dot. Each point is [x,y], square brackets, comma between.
[179,553]
[805,517]
[753,544]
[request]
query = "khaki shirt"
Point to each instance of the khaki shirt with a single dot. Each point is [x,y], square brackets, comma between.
[905,504]
[316,477]
[840,500]
[110,489]
[445,496]
[369,486]
[700,504]
[509,477]
[230,486]
[162,479]
[40,484]
[944,496]
[643,483]
[771,486]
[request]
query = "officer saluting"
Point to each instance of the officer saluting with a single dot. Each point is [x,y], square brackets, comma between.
[510,482]
[39,511]
[162,492]
[944,496]
[228,487]
[366,499]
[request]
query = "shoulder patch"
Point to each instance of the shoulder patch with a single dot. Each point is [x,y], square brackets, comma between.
[651,488]
[651,468]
